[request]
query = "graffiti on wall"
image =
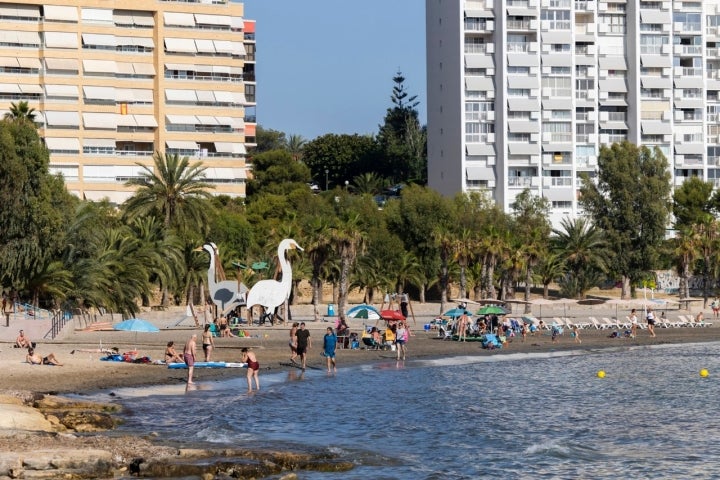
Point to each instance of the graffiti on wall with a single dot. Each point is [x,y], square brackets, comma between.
[668,281]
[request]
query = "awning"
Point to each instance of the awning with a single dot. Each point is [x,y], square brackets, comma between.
[25,11]
[523,127]
[181,119]
[655,16]
[181,145]
[69,91]
[656,61]
[123,17]
[613,85]
[29,62]
[223,46]
[479,61]
[223,20]
[99,142]
[689,103]
[523,104]
[145,121]
[479,173]
[62,119]
[225,173]
[143,19]
[97,15]
[144,69]
[204,46]
[222,96]
[557,36]
[30,88]
[613,63]
[207,120]
[9,88]
[68,144]
[99,66]
[523,148]
[142,95]
[181,45]
[69,64]
[557,147]
[656,128]
[522,60]
[61,40]
[141,42]
[480,149]
[521,12]
[559,194]
[557,60]
[523,82]
[656,82]
[479,83]
[60,13]
[179,19]
[126,121]
[689,82]
[99,93]
[613,102]
[104,121]
[206,96]
[226,69]
[99,39]
[555,104]
[689,148]
[172,95]
[180,66]
[238,48]
[473,13]
[10,62]
[228,147]
[125,68]
[613,126]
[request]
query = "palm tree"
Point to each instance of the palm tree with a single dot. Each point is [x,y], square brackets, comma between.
[368,183]
[463,250]
[174,190]
[548,270]
[20,112]
[348,239]
[409,271]
[296,145]
[317,249]
[685,255]
[369,275]
[445,240]
[581,246]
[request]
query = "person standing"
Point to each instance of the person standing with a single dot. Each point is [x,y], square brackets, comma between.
[189,356]
[253,367]
[293,342]
[303,343]
[715,305]
[633,323]
[576,334]
[462,326]
[650,322]
[404,302]
[329,347]
[401,337]
[207,342]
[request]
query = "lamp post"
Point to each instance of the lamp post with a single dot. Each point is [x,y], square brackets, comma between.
[326,179]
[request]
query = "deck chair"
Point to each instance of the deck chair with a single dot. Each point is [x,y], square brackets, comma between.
[445,332]
[594,323]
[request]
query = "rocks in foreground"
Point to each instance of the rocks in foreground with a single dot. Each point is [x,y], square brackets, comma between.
[43,437]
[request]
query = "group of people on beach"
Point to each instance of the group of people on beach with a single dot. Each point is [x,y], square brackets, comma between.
[32,357]
[190,352]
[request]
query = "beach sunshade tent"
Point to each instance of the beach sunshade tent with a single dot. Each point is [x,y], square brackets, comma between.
[392,315]
[456,312]
[364,311]
[491,310]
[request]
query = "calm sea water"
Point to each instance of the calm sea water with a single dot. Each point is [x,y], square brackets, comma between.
[505,416]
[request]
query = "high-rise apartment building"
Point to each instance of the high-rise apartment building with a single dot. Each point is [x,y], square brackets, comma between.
[522,93]
[113,82]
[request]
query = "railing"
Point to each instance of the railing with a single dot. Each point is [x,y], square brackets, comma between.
[651,49]
[582,138]
[561,181]
[520,181]
[518,47]
[59,320]
[475,47]
[617,116]
[31,311]
[518,24]
[211,78]
[692,50]
[691,72]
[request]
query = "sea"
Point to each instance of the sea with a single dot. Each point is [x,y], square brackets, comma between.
[544,415]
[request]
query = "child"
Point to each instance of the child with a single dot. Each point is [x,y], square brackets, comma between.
[329,346]
[576,334]
[253,366]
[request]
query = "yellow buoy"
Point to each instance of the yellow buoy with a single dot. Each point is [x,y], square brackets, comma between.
[704,373]
[601,374]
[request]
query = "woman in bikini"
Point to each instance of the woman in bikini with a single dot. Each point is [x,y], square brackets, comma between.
[207,342]
[252,368]
[293,342]
[171,356]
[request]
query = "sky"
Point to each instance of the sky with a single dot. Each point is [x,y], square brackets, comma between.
[326,66]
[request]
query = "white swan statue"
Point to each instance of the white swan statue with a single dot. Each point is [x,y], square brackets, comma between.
[271,293]
[226,294]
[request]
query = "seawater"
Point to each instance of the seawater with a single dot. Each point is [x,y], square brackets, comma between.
[504,416]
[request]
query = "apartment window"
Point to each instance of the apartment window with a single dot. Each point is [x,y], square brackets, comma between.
[559,131]
[651,71]
[470,95]
[692,93]
[475,45]
[517,43]
[478,132]
[688,22]
[584,152]
[475,72]
[713,112]
[650,5]
[557,19]
[518,92]
[476,111]
[692,137]
[651,93]
[582,114]
[580,70]
[615,136]
[475,24]
[615,23]
[561,204]
[560,47]
[585,84]
[518,71]
[713,130]
[583,132]
[559,86]
[518,115]
[618,96]
[651,27]
[518,137]
[561,115]
[652,138]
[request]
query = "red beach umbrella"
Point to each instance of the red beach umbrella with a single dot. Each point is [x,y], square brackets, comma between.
[392,315]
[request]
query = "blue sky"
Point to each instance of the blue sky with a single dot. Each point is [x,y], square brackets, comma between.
[326,66]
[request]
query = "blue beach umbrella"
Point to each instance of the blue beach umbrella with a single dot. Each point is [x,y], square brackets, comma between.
[364,311]
[456,312]
[136,325]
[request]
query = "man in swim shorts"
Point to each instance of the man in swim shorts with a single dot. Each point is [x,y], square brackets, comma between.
[303,342]
[253,367]
[189,356]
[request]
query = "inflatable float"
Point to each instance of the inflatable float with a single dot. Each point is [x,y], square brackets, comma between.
[209,365]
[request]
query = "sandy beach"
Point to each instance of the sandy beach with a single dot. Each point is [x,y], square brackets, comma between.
[84,371]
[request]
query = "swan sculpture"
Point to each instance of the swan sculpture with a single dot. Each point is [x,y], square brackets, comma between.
[226,294]
[272,293]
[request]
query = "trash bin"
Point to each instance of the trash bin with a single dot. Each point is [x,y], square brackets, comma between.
[331,310]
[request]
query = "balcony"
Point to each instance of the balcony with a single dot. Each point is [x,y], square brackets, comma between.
[518,25]
[521,182]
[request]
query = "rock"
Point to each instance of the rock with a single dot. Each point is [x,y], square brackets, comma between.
[10,465]
[86,421]
[51,402]
[20,417]
[289,476]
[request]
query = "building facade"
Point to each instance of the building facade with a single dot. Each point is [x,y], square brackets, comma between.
[522,93]
[114,82]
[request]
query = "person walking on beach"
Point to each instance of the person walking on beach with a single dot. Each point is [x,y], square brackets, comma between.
[253,367]
[302,342]
[715,305]
[576,334]
[293,342]
[189,356]
[401,338]
[650,322]
[633,323]
[462,326]
[329,347]
[207,342]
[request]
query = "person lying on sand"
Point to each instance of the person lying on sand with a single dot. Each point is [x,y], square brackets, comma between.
[34,359]
[108,351]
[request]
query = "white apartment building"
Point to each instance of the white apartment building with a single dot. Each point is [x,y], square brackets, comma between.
[522,93]
[114,82]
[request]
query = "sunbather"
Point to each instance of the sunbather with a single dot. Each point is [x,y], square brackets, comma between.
[171,356]
[34,359]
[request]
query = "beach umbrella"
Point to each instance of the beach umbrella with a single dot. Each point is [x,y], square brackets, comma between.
[464,300]
[491,310]
[456,312]
[543,301]
[136,325]
[392,315]
[364,311]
